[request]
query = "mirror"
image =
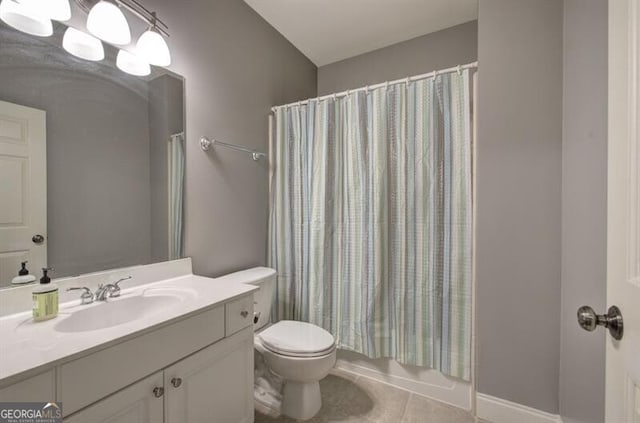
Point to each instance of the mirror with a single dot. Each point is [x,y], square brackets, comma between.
[91,160]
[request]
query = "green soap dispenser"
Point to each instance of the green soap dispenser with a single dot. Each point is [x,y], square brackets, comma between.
[45,298]
[23,276]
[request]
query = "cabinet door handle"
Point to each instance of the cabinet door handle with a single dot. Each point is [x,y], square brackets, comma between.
[158,391]
[244,313]
[176,382]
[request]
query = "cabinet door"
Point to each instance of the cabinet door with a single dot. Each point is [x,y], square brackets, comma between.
[214,385]
[138,403]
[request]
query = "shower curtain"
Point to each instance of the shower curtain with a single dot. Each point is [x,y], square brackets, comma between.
[176,186]
[370,225]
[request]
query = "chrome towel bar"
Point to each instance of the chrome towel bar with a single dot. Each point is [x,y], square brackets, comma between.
[207,143]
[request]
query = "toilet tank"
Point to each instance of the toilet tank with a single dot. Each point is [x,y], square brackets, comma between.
[263,277]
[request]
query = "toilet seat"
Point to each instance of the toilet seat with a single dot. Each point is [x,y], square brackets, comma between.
[297,339]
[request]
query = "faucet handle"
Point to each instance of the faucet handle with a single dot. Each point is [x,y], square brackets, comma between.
[115,291]
[86,297]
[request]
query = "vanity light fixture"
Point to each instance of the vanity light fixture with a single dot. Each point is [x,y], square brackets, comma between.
[58,10]
[132,64]
[25,16]
[153,48]
[82,45]
[107,22]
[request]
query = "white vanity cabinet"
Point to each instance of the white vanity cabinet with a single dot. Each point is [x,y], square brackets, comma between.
[141,402]
[41,387]
[197,368]
[214,385]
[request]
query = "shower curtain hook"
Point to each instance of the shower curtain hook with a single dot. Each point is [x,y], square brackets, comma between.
[459,70]
[335,97]
[407,81]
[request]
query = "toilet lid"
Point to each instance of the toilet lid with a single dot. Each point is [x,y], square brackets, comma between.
[289,337]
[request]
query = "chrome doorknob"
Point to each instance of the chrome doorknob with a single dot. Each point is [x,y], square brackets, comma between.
[37,239]
[589,320]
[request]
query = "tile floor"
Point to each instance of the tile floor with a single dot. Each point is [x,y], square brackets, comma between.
[350,398]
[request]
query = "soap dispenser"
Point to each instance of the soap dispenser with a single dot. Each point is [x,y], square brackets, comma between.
[45,298]
[23,276]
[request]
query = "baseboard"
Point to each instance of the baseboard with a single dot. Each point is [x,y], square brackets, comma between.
[497,410]
[431,384]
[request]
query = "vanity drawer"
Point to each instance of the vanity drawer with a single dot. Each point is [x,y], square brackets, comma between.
[86,380]
[239,314]
[40,388]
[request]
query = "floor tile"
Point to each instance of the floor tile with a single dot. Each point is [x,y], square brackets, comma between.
[422,410]
[348,398]
[344,374]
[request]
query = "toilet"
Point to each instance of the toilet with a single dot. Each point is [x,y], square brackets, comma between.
[297,355]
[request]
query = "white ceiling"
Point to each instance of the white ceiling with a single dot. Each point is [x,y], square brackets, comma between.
[327,31]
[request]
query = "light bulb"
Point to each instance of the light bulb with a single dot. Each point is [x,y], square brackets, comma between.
[25,17]
[132,64]
[82,45]
[152,47]
[107,22]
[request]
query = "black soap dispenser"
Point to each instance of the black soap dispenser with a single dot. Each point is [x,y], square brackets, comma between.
[23,276]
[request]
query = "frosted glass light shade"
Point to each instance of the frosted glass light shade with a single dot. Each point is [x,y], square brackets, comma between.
[59,10]
[107,22]
[153,48]
[132,64]
[82,45]
[25,17]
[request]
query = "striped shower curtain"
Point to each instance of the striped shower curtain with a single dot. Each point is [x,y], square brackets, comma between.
[176,197]
[371,220]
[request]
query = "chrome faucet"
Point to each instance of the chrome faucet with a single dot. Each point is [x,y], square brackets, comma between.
[86,297]
[110,290]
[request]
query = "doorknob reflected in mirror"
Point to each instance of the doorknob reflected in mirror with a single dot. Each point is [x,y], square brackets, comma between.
[37,239]
[589,320]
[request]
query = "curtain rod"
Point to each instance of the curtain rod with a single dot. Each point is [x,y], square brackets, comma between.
[432,74]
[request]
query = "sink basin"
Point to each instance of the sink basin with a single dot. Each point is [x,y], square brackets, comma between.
[118,311]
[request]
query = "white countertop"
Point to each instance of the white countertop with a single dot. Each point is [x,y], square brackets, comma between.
[26,345]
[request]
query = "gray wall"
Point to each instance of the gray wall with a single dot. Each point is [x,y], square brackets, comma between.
[584,207]
[519,172]
[236,67]
[439,50]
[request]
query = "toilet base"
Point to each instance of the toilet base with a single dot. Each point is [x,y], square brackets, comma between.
[301,400]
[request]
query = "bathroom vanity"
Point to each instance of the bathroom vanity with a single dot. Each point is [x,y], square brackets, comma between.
[172,349]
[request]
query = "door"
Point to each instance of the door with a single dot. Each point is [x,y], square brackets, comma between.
[23,190]
[214,385]
[141,402]
[623,220]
